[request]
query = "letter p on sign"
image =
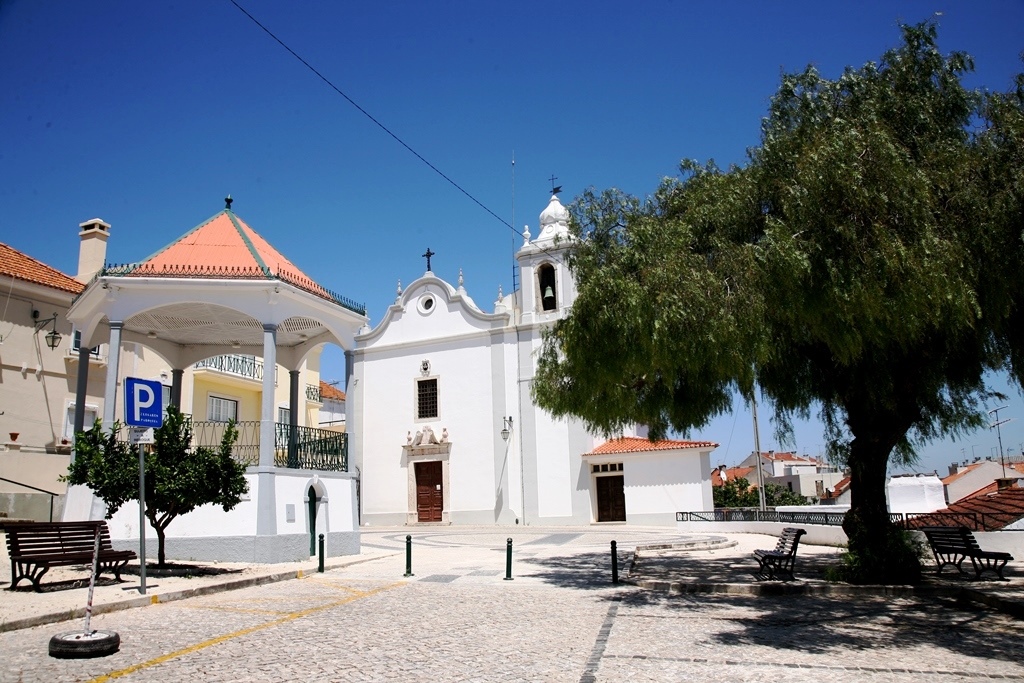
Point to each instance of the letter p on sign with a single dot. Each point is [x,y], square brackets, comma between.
[143,402]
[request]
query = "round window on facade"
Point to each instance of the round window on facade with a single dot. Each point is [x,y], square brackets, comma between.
[426,305]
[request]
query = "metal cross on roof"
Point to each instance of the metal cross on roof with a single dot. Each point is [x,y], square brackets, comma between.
[555,189]
[427,256]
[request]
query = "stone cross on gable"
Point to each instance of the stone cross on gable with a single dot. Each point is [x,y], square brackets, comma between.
[427,256]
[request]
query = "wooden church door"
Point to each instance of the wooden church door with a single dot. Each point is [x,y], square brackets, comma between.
[429,491]
[611,499]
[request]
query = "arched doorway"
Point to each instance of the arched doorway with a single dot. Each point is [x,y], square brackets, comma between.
[312,501]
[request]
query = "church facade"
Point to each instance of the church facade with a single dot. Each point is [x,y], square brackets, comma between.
[444,428]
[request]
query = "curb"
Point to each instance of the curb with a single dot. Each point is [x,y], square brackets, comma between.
[171,596]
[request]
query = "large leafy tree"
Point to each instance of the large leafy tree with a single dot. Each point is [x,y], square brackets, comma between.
[863,263]
[179,478]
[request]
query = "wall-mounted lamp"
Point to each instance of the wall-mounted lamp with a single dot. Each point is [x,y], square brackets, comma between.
[506,428]
[53,337]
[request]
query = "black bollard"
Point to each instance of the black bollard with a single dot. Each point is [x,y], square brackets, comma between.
[508,561]
[615,564]
[408,556]
[321,568]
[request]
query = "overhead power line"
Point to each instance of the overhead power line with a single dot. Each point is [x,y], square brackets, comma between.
[370,116]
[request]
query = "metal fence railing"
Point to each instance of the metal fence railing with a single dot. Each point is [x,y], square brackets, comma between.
[308,448]
[975,521]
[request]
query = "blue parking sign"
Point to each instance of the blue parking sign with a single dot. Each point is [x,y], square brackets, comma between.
[143,402]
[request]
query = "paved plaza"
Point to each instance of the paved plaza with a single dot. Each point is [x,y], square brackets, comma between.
[559,619]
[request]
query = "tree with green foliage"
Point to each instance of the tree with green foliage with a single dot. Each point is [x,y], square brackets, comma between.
[738,493]
[865,262]
[179,478]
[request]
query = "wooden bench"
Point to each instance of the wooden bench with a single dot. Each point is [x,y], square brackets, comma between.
[778,563]
[952,545]
[34,547]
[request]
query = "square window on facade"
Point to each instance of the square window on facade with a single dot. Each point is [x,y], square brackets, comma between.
[284,415]
[221,409]
[426,399]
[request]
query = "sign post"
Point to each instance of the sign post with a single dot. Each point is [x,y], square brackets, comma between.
[143,411]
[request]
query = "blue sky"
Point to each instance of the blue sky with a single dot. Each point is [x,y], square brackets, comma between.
[147,114]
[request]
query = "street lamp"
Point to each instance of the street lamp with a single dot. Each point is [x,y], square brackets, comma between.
[506,428]
[53,337]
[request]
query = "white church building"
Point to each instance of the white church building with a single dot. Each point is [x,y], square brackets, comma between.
[444,428]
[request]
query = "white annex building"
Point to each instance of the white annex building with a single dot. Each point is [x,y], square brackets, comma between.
[444,428]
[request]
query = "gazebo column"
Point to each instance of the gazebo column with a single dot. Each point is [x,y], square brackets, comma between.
[266,513]
[113,363]
[176,377]
[293,418]
[81,387]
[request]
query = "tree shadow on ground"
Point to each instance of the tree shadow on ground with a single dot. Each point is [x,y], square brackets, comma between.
[823,624]
[180,569]
[586,571]
[64,585]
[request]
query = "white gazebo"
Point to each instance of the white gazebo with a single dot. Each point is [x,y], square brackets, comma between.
[222,289]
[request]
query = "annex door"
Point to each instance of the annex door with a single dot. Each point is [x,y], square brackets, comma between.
[611,499]
[429,491]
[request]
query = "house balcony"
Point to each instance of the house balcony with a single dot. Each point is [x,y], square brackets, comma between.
[234,365]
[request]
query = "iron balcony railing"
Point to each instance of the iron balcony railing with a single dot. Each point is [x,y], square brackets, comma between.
[234,364]
[313,393]
[304,448]
[976,521]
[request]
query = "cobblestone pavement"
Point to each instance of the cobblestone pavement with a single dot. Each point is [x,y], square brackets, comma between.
[457,619]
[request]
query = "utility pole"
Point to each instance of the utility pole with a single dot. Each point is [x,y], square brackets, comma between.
[757,449]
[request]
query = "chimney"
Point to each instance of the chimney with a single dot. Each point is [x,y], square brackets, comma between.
[1003,483]
[953,468]
[92,252]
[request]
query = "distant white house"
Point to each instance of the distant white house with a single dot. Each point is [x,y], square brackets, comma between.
[802,475]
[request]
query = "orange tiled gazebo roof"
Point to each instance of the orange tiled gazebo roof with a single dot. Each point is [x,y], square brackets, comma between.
[225,246]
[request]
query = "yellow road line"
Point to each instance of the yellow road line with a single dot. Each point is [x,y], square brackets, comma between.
[236,634]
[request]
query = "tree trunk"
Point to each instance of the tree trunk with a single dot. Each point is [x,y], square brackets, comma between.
[160,528]
[161,559]
[880,553]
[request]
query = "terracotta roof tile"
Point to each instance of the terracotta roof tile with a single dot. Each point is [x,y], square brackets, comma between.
[14,263]
[634,444]
[331,392]
[999,509]
[731,473]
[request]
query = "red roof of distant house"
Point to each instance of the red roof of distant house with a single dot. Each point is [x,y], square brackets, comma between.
[788,457]
[331,392]
[999,509]
[730,473]
[14,263]
[226,247]
[840,487]
[634,444]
